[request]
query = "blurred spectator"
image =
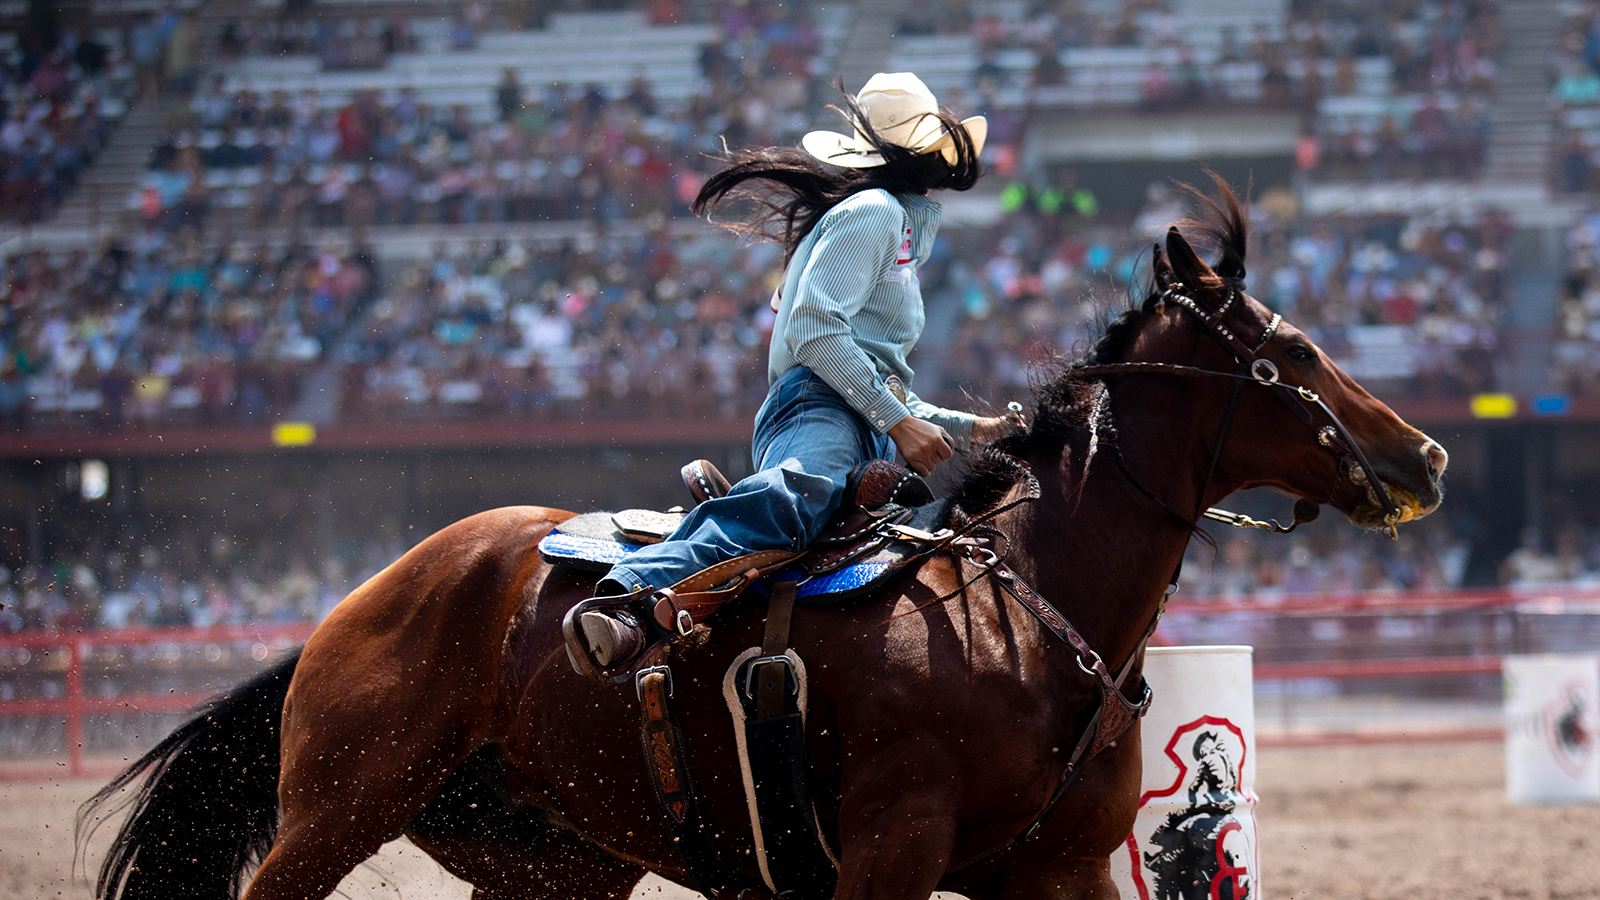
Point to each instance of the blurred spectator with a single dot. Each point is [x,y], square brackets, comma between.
[1576,344]
[55,117]
[508,96]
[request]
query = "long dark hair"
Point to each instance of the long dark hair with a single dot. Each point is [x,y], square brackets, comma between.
[791,190]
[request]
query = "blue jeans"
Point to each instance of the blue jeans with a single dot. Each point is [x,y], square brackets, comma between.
[806,442]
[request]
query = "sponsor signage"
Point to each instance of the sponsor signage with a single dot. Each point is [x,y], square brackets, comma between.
[293,434]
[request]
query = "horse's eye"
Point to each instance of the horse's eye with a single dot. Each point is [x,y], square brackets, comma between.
[1301,353]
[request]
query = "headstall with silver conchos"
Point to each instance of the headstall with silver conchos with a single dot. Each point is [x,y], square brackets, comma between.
[1333,436]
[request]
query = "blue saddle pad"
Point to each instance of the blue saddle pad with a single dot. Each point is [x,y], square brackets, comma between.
[591,542]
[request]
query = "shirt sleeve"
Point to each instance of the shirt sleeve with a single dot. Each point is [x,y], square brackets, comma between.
[957,423]
[855,247]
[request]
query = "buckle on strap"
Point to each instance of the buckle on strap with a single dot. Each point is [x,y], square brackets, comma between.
[638,679]
[750,673]
[1094,668]
[1264,371]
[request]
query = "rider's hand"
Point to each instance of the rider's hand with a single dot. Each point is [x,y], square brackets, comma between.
[922,443]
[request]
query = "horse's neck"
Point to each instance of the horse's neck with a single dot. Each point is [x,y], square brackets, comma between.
[1100,549]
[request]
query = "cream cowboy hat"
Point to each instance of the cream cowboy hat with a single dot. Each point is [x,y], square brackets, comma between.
[902,110]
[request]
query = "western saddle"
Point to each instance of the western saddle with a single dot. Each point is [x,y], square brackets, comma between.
[881,500]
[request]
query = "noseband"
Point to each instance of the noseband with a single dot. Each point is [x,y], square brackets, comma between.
[1253,368]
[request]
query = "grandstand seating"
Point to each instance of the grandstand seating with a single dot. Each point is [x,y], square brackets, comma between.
[596,54]
[608,49]
[1262,54]
[55,118]
[628,316]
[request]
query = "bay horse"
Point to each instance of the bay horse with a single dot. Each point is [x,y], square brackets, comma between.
[436,701]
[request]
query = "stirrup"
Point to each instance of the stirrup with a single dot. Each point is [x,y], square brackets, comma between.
[581,655]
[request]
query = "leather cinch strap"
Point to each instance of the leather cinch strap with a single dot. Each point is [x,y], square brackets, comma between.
[771,677]
[775,737]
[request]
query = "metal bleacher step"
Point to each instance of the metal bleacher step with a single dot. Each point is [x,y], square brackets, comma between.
[100,197]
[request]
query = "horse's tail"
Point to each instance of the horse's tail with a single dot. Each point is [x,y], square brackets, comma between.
[205,808]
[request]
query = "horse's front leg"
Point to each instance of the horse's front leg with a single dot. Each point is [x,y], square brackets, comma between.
[896,835]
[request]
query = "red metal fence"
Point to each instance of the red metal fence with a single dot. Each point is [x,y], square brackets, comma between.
[74,704]
[53,687]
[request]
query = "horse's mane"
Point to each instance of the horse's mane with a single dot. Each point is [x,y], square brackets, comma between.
[1066,403]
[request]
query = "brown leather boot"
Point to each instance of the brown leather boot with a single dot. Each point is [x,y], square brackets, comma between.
[613,637]
[604,635]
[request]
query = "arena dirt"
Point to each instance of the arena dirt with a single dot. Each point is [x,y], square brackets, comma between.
[1425,822]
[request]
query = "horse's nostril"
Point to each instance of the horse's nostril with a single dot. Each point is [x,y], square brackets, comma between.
[1437,458]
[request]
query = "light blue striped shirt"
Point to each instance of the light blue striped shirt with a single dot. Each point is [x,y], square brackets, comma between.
[851,308]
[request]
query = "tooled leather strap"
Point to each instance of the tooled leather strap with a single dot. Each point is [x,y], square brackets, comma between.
[697,595]
[682,815]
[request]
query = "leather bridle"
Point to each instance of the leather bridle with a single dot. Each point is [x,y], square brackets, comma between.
[1252,368]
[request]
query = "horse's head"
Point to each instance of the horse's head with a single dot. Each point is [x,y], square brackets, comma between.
[1291,419]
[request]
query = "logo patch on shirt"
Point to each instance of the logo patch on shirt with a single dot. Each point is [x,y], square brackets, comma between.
[904,275]
[905,249]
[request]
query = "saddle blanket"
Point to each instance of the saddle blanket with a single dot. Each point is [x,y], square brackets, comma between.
[593,542]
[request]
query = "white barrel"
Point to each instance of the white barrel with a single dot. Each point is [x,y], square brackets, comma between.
[1551,717]
[1196,834]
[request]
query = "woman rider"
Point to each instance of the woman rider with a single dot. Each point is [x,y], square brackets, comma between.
[854,217]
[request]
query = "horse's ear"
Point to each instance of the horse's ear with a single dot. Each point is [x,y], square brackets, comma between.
[1159,267]
[1161,279]
[1187,265]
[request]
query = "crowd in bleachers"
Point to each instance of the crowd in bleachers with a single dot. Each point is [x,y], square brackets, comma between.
[162,331]
[675,321]
[1383,91]
[518,152]
[159,331]
[1411,305]
[58,103]
[1575,94]
[568,153]
[651,328]
[189,577]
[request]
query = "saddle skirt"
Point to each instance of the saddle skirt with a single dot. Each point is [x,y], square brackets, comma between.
[855,554]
